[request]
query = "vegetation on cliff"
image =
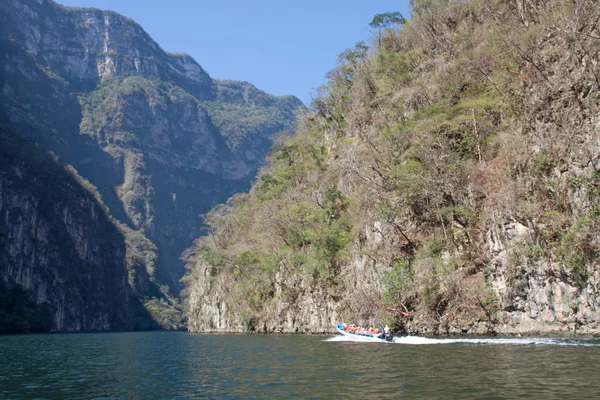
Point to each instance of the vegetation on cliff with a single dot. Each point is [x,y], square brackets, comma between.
[468,116]
[243,113]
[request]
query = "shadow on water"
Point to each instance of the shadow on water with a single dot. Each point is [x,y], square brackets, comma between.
[178,365]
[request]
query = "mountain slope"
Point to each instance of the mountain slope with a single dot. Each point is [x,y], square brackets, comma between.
[446,182]
[142,125]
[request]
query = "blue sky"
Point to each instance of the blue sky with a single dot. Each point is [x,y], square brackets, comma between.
[282,47]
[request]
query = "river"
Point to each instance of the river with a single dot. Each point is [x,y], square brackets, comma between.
[155,365]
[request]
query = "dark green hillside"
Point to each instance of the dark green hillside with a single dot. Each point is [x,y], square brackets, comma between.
[446,181]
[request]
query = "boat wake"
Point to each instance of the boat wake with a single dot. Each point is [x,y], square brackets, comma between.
[418,340]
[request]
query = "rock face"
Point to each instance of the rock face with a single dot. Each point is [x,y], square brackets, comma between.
[160,139]
[84,45]
[536,295]
[447,183]
[59,245]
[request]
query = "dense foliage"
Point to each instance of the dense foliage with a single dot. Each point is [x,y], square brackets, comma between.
[469,115]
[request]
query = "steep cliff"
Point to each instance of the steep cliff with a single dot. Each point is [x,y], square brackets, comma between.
[446,182]
[160,139]
[58,248]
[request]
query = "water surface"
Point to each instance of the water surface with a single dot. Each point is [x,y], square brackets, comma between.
[158,365]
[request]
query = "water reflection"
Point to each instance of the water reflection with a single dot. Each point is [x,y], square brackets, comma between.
[178,365]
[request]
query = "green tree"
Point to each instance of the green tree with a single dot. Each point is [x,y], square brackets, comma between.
[387,20]
[386,23]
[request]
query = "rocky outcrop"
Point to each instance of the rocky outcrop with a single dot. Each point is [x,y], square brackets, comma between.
[538,295]
[446,183]
[307,310]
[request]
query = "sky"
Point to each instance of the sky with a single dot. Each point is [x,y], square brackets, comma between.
[282,47]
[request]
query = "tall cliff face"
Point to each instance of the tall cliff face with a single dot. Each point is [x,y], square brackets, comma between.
[59,246]
[160,139]
[445,183]
[83,45]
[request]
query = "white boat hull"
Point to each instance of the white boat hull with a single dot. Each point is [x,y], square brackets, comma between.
[363,338]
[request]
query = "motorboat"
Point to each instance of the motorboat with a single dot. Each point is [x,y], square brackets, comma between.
[364,337]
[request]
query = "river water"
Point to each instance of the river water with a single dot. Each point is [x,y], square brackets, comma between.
[155,365]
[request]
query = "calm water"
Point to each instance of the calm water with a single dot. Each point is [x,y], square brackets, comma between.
[179,365]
